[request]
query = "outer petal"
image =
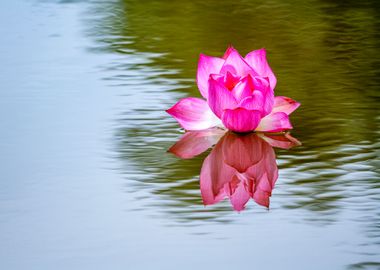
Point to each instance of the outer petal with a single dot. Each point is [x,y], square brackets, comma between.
[220,98]
[240,119]
[285,104]
[283,141]
[265,184]
[193,114]
[207,65]
[274,122]
[239,196]
[258,61]
[236,64]
[194,143]
[271,168]
[257,170]
[264,175]
[214,175]
[242,151]
[228,51]
[261,197]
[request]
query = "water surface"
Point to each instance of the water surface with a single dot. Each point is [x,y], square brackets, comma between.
[86,180]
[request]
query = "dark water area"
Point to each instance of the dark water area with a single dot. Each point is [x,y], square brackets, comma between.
[86,179]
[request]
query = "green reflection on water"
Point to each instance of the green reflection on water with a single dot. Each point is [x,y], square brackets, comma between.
[324,54]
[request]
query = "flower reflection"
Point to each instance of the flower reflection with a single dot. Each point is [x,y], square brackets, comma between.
[238,167]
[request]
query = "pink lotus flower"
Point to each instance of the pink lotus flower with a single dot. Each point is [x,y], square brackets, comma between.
[239,95]
[239,167]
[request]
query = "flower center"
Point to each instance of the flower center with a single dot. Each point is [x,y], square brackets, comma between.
[230,80]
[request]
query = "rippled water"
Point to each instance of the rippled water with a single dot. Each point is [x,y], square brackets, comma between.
[87,182]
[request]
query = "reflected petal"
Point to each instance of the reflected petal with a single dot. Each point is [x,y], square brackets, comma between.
[214,175]
[262,197]
[193,143]
[239,195]
[242,151]
[284,141]
[264,175]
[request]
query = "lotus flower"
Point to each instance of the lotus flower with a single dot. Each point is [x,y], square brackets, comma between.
[239,95]
[239,167]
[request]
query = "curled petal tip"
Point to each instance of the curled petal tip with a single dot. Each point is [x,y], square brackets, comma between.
[285,105]
[263,50]
[230,49]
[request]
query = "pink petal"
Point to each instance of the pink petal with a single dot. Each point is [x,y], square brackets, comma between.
[267,181]
[270,169]
[228,51]
[193,114]
[242,151]
[284,141]
[285,104]
[193,143]
[207,65]
[254,102]
[220,98]
[262,85]
[265,184]
[236,64]
[258,61]
[214,175]
[264,175]
[228,80]
[240,196]
[267,162]
[261,197]
[240,119]
[244,88]
[274,122]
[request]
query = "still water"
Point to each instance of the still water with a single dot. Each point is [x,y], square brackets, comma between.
[86,179]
